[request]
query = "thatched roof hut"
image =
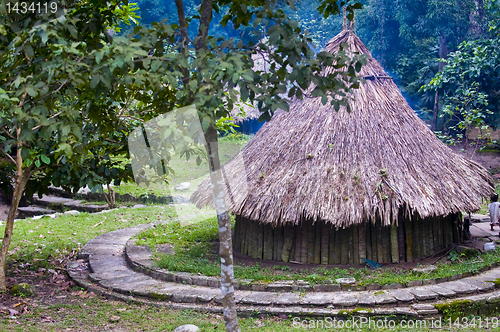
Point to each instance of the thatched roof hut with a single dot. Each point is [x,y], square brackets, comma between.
[338,183]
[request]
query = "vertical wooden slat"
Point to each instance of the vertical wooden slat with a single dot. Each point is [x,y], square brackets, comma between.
[304,245]
[239,233]
[252,230]
[331,247]
[268,242]
[249,238]
[337,246]
[426,237]
[260,238]
[362,242]
[408,239]
[311,240]
[355,244]
[386,243]
[394,243]
[350,237]
[401,240]
[298,243]
[325,239]
[380,244]
[317,244]
[374,242]
[447,231]
[439,233]
[344,247]
[431,224]
[417,249]
[287,243]
[244,245]
[369,240]
[236,235]
[278,248]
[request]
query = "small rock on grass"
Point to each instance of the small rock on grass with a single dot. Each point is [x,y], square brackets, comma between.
[22,289]
[425,269]
[187,328]
[114,319]
[346,281]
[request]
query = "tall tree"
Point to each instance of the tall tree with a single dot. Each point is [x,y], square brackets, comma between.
[45,56]
[219,66]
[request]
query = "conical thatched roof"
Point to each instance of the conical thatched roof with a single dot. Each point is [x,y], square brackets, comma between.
[346,168]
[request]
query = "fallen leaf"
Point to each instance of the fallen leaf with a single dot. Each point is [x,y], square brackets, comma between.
[13,312]
[18,304]
[121,309]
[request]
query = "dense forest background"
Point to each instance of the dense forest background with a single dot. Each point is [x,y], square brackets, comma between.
[410,38]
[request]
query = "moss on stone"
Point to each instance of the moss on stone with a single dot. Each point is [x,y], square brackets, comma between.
[351,312]
[456,309]
[22,290]
[161,297]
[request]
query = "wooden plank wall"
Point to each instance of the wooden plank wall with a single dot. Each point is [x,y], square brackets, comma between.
[320,243]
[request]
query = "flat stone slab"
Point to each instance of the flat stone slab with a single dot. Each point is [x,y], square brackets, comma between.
[287,299]
[139,252]
[318,299]
[165,248]
[365,298]
[31,211]
[459,287]
[344,299]
[481,285]
[258,298]
[441,291]
[422,293]
[381,297]
[402,295]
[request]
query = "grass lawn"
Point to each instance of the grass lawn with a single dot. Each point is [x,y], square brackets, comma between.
[39,252]
[185,171]
[196,252]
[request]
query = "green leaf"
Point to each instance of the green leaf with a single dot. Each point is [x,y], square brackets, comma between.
[94,81]
[38,163]
[32,92]
[198,161]
[45,159]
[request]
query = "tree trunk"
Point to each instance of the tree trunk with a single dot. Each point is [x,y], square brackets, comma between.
[224,221]
[443,53]
[22,179]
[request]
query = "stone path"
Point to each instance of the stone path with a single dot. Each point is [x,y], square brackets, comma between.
[103,269]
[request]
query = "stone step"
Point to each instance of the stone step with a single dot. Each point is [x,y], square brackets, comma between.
[31,211]
[60,203]
[106,271]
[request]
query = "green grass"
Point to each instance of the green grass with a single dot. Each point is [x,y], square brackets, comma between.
[43,241]
[185,171]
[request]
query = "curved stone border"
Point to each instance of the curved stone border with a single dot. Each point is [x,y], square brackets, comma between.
[139,259]
[106,272]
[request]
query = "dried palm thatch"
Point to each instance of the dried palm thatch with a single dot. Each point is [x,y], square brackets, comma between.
[374,163]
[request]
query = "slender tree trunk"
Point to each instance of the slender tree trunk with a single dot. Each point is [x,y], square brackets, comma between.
[21,180]
[443,53]
[224,221]
[223,218]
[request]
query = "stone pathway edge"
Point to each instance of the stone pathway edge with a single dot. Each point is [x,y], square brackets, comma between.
[106,253]
[142,263]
